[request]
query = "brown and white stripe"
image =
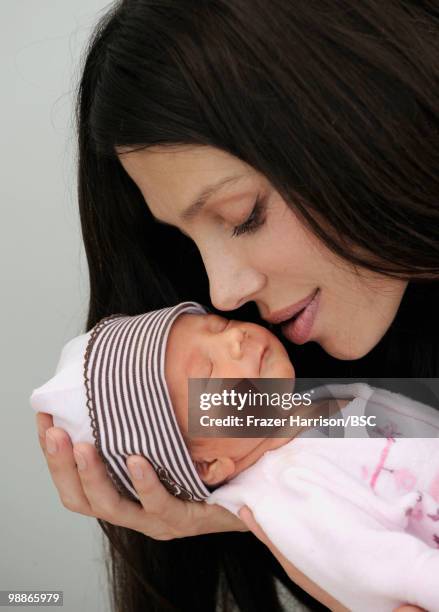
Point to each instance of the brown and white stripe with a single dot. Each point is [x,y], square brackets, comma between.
[129,404]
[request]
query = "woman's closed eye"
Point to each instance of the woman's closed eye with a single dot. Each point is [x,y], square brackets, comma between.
[254,221]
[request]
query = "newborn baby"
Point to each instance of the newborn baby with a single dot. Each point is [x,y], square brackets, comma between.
[123,387]
[359,516]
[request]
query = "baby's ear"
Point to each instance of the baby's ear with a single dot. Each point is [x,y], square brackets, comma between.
[216,471]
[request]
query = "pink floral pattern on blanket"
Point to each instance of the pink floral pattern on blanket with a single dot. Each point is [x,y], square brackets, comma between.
[434,488]
[423,515]
[424,519]
[404,479]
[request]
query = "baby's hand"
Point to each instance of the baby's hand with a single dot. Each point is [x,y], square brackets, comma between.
[90,491]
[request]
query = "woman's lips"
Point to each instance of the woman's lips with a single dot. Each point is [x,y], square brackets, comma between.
[284,315]
[298,329]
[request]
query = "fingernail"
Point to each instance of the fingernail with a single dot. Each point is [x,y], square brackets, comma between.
[136,470]
[80,460]
[51,444]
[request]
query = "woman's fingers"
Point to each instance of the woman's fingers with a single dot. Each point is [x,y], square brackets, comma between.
[153,495]
[44,421]
[171,515]
[104,499]
[62,466]
[247,518]
[84,486]
[159,515]
[177,518]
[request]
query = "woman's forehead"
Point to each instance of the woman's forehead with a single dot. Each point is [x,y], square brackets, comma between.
[181,173]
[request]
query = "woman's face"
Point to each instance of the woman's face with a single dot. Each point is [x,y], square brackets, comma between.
[268,257]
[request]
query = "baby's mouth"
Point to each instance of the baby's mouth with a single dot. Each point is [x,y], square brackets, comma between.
[263,354]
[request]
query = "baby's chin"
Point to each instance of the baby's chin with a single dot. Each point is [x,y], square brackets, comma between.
[277,367]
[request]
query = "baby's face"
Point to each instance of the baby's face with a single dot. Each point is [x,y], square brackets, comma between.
[210,346]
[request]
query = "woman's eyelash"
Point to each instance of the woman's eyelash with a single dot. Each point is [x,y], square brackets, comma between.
[253,222]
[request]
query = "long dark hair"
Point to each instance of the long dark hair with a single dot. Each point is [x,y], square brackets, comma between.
[337,104]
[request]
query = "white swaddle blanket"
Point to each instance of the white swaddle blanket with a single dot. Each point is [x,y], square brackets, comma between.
[64,395]
[359,516]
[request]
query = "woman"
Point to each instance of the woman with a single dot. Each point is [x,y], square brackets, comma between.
[321,121]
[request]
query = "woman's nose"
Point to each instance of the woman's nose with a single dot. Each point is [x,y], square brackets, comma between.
[232,283]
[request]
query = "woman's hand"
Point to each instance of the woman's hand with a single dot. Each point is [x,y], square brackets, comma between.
[297,576]
[90,491]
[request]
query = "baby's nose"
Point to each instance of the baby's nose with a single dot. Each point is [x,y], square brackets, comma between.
[235,339]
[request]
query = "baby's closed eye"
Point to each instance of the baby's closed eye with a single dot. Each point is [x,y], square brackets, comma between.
[202,367]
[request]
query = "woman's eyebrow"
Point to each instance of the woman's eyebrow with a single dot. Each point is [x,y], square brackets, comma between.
[192,210]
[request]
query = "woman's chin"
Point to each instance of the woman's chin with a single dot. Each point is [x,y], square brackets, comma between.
[346,353]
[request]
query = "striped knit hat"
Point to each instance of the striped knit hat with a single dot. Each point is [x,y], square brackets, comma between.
[129,403]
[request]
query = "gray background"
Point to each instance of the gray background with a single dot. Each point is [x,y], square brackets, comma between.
[44,292]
